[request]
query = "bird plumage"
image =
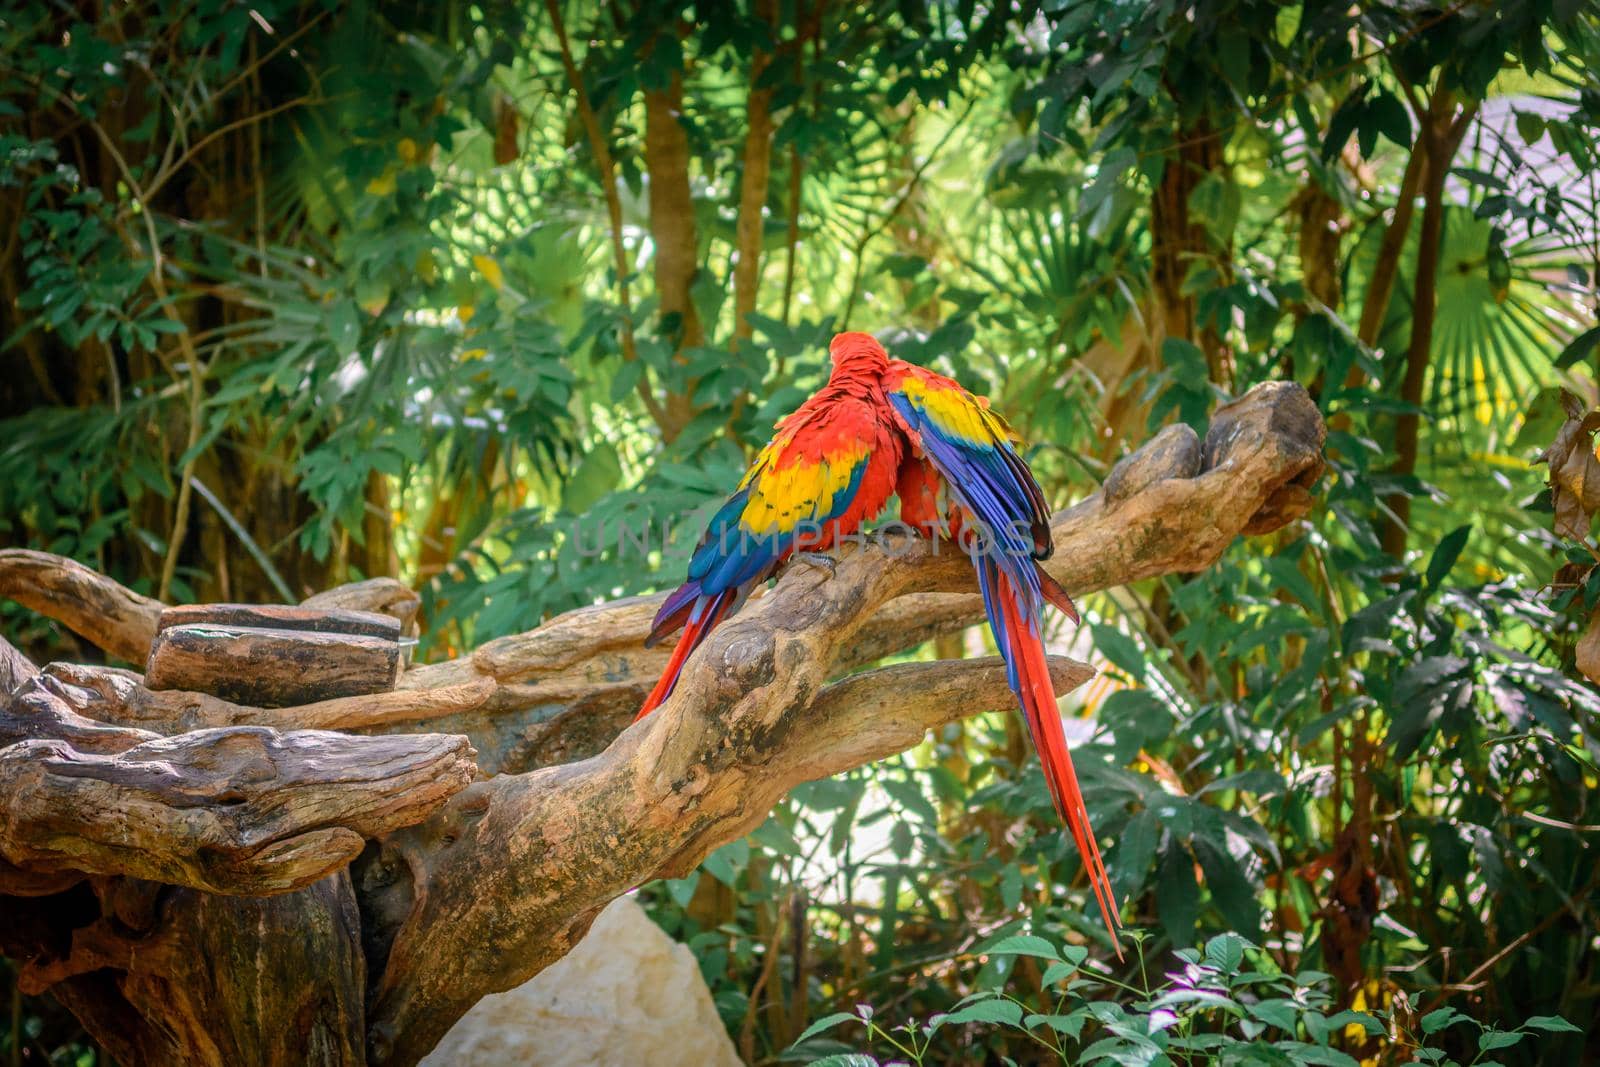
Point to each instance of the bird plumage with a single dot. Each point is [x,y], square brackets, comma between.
[884,427]
[830,467]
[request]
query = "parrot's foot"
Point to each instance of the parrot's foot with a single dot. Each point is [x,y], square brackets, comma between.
[895,535]
[817,560]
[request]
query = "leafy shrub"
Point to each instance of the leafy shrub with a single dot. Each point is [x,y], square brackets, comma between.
[1227,1003]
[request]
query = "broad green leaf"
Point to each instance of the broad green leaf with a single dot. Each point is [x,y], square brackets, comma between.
[1438,1019]
[1370,1024]
[1225,952]
[997,1011]
[1070,1024]
[1318,1055]
[1276,1012]
[1177,894]
[1133,853]
[1578,348]
[1231,890]
[827,1022]
[598,473]
[1552,1023]
[1123,652]
[1445,555]
[1490,1040]
[1021,945]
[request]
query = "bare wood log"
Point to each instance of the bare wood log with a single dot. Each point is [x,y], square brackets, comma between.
[329,620]
[15,668]
[118,697]
[271,667]
[384,595]
[238,810]
[175,976]
[44,708]
[171,975]
[113,617]
[91,605]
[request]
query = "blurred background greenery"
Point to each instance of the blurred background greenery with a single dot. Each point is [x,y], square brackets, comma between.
[297,293]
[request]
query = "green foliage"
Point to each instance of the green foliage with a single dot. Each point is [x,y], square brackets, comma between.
[1227,1003]
[351,274]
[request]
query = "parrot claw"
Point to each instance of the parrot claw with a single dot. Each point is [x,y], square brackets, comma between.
[893,536]
[817,560]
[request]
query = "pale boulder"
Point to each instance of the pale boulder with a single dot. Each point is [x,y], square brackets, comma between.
[628,994]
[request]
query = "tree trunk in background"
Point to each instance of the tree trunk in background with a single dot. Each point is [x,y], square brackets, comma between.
[1441,134]
[753,182]
[1320,235]
[808,30]
[377,530]
[1319,240]
[1375,301]
[600,147]
[1386,267]
[672,227]
[1177,241]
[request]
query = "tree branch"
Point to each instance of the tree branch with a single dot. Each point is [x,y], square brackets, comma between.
[15,669]
[243,810]
[119,698]
[91,605]
[751,718]
[505,875]
[565,690]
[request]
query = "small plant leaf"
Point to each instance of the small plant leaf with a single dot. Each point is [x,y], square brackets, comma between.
[827,1022]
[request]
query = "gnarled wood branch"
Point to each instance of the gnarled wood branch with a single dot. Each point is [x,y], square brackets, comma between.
[383,595]
[243,809]
[15,668]
[504,876]
[751,717]
[564,690]
[89,604]
[119,697]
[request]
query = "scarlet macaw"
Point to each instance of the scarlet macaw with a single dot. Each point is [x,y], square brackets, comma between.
[882,427]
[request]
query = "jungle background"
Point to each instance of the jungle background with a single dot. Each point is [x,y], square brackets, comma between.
[296,293]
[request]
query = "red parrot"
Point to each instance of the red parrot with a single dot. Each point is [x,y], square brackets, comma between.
[884,427]
[956,443]
[830,467]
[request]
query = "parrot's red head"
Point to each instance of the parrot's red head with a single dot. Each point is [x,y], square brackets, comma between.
[853,352]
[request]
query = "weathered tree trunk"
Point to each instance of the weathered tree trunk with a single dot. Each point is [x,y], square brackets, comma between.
[1443,127]
[208,882]
[1179,240]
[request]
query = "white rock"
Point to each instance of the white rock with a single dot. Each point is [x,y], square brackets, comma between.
[628,994]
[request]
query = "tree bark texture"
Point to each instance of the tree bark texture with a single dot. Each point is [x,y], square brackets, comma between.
[210,882]
[1180,241]
[672,227]
[753,181]
[1442,130]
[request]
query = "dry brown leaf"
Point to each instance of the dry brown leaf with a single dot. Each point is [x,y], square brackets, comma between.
[1589,649]
[1574,470]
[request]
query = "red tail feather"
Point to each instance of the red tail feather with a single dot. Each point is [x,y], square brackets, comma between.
[688,641]
[1056,595]
[1044,722]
